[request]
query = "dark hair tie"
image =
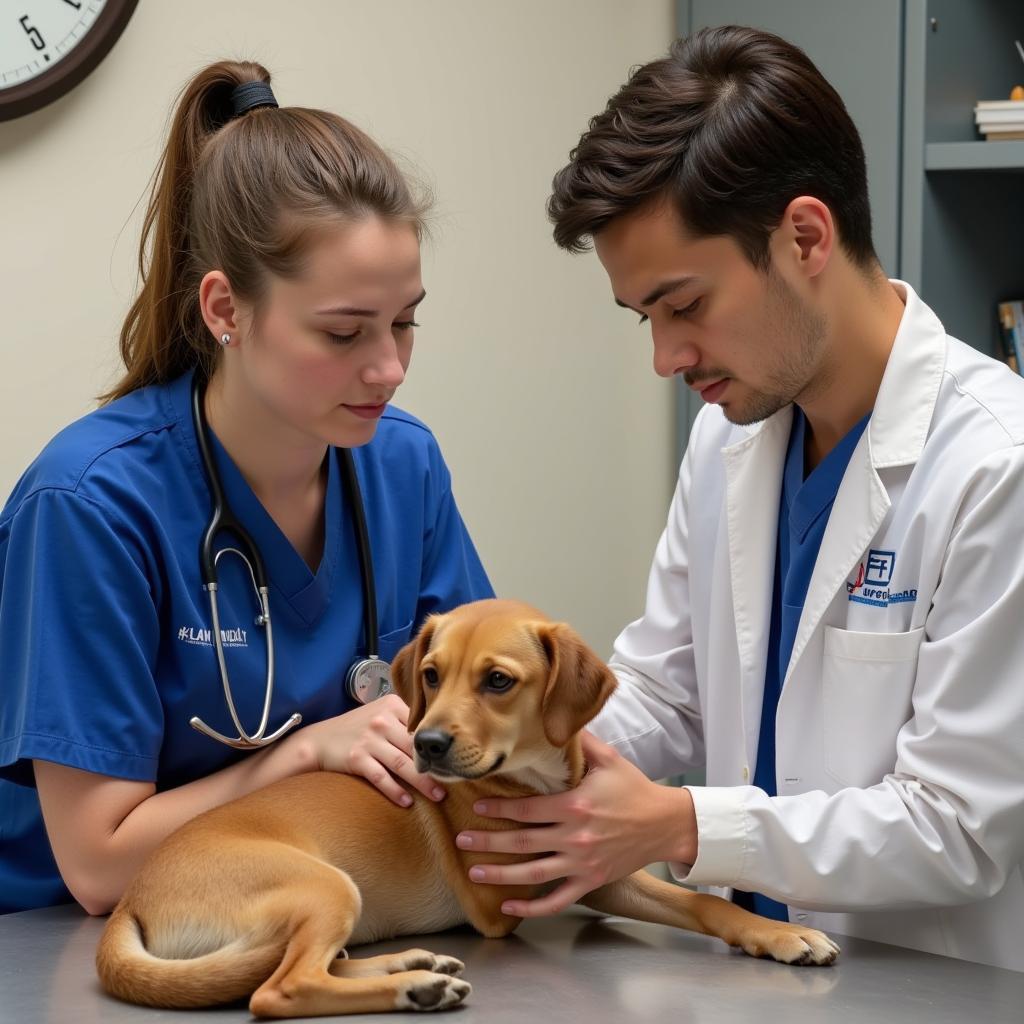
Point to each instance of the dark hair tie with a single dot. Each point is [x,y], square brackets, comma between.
[249,95]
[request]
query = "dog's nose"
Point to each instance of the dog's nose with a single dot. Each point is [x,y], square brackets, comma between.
[432,744]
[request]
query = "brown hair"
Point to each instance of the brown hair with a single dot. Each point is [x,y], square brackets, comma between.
[732,125]
[245,195]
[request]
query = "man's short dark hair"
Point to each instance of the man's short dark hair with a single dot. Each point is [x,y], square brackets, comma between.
[732,125]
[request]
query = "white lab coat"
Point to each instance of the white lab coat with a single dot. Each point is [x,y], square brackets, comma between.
[900,728]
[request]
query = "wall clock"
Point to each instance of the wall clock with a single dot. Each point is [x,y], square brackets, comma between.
[48,46]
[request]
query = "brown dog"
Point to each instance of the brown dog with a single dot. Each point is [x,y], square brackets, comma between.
[260,897]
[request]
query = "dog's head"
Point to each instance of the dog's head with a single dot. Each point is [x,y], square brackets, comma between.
[496,686]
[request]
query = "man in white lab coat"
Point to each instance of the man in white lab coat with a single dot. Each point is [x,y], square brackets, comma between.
[834,624]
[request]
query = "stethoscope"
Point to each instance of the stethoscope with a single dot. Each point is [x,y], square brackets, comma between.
[367,679]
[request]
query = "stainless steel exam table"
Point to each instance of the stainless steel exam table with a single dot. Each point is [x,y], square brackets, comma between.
[576,967]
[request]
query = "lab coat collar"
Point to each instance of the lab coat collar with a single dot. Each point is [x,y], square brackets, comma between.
[909,390]
[753,468]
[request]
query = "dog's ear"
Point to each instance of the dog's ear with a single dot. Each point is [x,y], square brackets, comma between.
[405,671]
[578,685]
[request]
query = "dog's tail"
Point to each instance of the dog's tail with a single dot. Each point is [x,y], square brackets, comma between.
[128,970]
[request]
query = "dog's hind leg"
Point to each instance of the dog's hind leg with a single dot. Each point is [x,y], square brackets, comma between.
[643,897]
[310,981]
[374,985]
[395,963]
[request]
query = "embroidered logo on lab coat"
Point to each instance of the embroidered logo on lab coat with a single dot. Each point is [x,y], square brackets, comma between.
[872,583]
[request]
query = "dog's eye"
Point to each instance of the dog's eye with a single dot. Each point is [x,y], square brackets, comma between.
[430,676]
[498,682]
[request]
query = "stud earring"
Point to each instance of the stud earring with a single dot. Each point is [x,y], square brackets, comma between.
[225,339]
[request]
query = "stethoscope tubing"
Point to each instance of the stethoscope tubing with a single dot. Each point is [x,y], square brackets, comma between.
[222,517]
[355,502]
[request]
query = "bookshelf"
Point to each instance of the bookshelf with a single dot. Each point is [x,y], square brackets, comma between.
[962,204]
[974,156]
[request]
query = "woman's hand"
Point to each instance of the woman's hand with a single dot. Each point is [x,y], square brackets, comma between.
[614,823]
[371,741]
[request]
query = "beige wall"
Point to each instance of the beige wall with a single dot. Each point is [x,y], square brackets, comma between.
[539,389]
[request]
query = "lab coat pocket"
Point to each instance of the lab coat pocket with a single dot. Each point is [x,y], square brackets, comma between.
[391,643]
[867,681]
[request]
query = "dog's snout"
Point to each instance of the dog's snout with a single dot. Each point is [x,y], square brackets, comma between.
[432,744]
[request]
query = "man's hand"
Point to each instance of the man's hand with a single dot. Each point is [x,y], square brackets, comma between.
[615,822]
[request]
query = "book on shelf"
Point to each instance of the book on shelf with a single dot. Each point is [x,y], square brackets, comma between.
[1011,332]
[999,105]
[1000,120]
[1001,110]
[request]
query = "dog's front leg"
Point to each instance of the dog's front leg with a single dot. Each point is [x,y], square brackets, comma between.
[643,897]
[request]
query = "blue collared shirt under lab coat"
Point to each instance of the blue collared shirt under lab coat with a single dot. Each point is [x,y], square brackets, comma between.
[804,506]
[104,625]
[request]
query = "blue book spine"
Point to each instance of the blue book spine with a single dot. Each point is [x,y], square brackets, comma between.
[1017,334]
[1011,334]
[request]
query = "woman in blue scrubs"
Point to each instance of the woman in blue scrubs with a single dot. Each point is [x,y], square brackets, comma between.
[281,256]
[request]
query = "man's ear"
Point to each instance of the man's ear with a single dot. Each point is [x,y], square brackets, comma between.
[578,685]
[805,238]
[405,671]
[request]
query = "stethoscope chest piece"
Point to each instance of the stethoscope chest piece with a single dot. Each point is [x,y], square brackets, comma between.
[368,679]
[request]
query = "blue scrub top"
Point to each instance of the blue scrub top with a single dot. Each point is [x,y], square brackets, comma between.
[804,508]
[104,624]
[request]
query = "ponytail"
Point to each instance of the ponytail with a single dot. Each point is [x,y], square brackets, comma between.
[244,195]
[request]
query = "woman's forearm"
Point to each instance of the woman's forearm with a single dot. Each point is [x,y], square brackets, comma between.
[102,829]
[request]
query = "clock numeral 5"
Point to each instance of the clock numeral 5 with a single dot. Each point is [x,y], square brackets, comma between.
[33,33]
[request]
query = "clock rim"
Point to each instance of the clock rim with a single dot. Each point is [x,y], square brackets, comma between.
[54,83]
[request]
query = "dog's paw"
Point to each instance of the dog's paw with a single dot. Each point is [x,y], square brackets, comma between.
[448,965]
[792,944]
[428,991]
[424,960]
